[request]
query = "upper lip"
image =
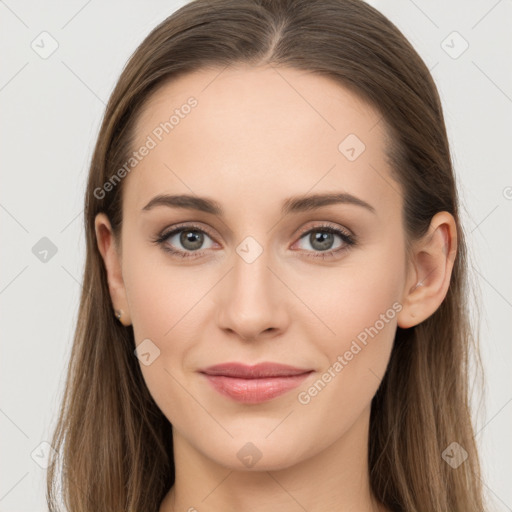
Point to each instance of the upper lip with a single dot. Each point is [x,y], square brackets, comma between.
[254,372]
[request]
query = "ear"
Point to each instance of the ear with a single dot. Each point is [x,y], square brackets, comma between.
[110,253]
[430,271]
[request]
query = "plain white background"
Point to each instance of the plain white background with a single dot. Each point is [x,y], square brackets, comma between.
[51,110]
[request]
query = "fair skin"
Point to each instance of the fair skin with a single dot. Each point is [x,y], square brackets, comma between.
[257,137]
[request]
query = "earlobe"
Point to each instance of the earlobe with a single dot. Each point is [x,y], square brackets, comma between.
[432,263]
[112,260]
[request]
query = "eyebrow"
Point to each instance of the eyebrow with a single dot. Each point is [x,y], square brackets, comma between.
[290,205]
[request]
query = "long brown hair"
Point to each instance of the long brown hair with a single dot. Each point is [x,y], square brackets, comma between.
[113,444]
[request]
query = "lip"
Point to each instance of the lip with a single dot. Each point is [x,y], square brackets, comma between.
[256,371]
[254,384]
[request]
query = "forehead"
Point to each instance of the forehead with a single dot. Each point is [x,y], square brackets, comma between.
[257,134]
[267,97]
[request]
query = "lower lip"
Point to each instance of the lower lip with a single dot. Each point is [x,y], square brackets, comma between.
[254,391]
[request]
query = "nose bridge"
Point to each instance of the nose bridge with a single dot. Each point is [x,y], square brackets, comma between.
[251,301]
[251,274]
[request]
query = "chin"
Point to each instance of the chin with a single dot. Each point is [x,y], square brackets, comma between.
[258,454]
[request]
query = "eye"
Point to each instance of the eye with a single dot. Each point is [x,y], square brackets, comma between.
[187,239]
[322,240]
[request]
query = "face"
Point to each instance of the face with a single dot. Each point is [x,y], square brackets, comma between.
[272,277]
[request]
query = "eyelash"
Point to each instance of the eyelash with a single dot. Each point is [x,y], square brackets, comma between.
[348,239]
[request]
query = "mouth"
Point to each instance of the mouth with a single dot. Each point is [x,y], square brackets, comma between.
[254,384]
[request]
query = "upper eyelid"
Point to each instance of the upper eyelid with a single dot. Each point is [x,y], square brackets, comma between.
[325,225]
[187,227]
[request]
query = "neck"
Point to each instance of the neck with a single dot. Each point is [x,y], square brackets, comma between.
[334,478]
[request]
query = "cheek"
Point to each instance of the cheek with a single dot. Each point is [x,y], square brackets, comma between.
[166,305]
[360,308]
[161,295]
[360,295]
[358,305]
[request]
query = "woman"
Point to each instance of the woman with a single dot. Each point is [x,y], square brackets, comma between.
[273,314]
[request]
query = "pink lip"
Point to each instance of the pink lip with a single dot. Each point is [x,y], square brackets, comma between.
[254,384]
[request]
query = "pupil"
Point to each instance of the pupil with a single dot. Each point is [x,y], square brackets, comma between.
[321,240]
[191,239]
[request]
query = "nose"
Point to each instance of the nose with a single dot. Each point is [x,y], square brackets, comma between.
[252,301]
